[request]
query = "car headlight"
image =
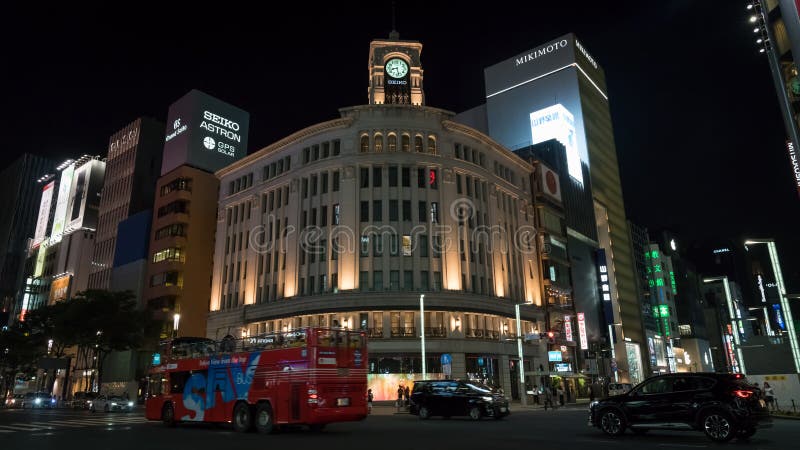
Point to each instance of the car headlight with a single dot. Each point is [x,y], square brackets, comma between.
[12,401]
[130,404]
[593,404]
[113,404]
[52,400]
[89,403]
[37,401]
[486,398]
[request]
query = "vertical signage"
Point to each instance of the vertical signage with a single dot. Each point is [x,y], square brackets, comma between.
[778,316]
[582,331]
[44,213]
[62,202]
[605,289]
[793,160]
[568,327]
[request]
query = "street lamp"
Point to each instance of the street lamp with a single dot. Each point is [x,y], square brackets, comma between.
[422,334]
[524,394]
[735,325]
[784,298]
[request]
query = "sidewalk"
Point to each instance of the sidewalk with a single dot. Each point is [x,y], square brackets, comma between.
[389,408]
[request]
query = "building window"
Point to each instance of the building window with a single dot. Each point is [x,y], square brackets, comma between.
[392,176]
[420,177]
[433,179]
[418,144]
[377,211]
[423,278]
[315,151]
[335,212]
[377,177]
[173,278]
[405,143]
[336,181]
[437,281]
[176,229]
[364,248]
[394,280]
[422,212]
[364,143]
[434,212]
[323,216]
[457,148]
[306,154]
[394,245]
[326,149]
[431,144]
[337,147]
[313,185]
[407,210]
[178,206]
[377,245]
[394,211]
[364,216]
[392,142]
[178,184]
[304,188]
[406,245]
[408,280]
[364,177]
[423,245]
[170,254]
[324,181]
[378,143]
[363,280]
[377,280]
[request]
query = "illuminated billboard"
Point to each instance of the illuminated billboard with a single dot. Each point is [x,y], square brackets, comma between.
[44,213]
[84,202]
[59,289]
[556,122]
[204,132]
[62,202]
[536,96]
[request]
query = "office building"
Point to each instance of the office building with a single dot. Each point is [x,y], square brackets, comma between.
[23,186]
[133,166]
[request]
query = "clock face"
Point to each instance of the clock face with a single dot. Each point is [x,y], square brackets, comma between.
[396,68]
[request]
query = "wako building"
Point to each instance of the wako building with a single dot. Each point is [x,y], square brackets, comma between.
[351,221]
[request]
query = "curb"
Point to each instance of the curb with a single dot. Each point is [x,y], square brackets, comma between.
[781,416]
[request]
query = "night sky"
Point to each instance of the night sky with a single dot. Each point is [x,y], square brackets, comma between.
[698,130]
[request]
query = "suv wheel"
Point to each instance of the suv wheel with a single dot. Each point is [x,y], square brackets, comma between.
[424,413]
[475,413]
[718,426]
[612,423]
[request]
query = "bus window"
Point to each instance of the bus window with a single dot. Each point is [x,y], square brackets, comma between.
[177,382]
[155,384]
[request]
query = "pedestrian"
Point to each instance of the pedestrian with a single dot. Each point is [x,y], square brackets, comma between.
[536,395]
[591,393]
[369,401]
[407,394]
[548,398]
[400,392]
[769,397]
[561,394]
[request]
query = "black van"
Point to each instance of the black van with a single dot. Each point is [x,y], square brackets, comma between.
[448,398]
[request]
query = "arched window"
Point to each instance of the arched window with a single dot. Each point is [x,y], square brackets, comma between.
[418,144]
[405,143]
[392,143]
[431,144]
[364,143]
[378,143]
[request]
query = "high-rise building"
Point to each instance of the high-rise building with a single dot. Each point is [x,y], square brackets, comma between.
[558,91]
[776,27]
[205,135]
[132,168]
[361,219]
[22,193]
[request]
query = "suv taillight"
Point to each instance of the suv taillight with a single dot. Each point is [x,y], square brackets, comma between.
[741,393]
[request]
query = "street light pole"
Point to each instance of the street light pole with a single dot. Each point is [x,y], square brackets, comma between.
[176,320]
[524,390]
[422,332]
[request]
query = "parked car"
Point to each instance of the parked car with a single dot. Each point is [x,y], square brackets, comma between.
[14,401]
[110,403]
[618,388]
[723,406]
[456,398]
[38,400]
[82,399]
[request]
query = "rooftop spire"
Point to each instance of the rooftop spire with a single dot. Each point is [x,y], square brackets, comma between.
[394,35]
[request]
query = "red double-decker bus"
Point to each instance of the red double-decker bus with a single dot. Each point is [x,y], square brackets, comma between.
[308,376]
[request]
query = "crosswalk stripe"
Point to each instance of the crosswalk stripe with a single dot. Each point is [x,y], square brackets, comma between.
[17,427]
[58,423]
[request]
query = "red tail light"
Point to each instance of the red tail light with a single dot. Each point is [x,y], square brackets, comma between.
[742,393]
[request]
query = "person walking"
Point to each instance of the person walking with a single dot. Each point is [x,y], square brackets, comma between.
[548,397]
[369,401]
[400,392]
[769,397]
[407,395]
[561,394]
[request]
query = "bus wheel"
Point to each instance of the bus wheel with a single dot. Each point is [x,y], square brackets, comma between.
[265,422]
[242,418]
[168,415]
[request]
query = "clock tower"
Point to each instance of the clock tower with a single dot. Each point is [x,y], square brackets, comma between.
[395,72]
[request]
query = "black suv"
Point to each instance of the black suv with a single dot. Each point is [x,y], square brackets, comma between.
[456,398]
[723,406]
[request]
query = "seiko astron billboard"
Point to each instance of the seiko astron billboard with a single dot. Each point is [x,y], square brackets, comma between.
[205,133]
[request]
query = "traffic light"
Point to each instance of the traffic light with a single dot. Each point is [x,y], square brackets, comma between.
[551,337]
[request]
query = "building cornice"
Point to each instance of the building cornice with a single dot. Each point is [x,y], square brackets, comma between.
[303,134]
